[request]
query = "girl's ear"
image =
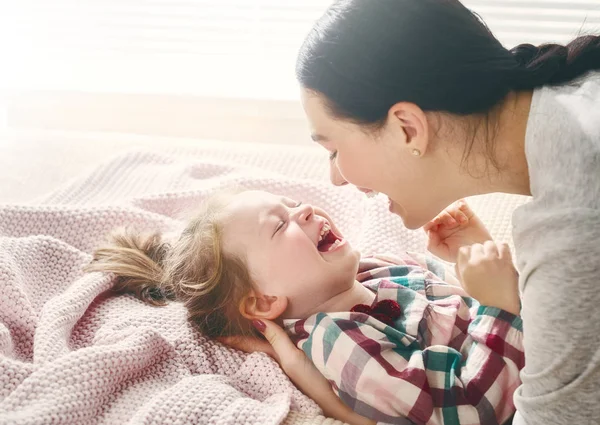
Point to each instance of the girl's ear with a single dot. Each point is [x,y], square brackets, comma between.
[258,306]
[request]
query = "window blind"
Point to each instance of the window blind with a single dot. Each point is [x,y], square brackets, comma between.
[538,21]
[240,48]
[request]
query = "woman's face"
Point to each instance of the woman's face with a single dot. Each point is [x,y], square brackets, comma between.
[381,161]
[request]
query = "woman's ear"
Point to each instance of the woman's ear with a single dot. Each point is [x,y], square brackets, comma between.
[413,122]
[258,306]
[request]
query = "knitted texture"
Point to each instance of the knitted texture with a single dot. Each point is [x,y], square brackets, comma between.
[72,353]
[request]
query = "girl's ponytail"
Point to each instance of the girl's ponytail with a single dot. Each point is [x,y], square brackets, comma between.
[137,259]
[195,270]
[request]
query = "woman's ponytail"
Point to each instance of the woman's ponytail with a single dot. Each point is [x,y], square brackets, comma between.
[554,64]
[137,259]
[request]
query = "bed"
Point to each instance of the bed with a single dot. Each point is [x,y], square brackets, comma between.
[72,353]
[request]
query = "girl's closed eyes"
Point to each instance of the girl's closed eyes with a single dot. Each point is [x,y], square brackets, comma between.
[285,218]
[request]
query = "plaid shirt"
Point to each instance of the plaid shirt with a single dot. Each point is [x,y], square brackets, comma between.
[447,359]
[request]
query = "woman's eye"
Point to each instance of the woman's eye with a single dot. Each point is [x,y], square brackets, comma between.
[332,155]
[299,203]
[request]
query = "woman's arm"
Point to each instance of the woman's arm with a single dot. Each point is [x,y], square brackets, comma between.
[559,262]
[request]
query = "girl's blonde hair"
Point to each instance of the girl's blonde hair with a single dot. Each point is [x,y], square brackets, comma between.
[195,270]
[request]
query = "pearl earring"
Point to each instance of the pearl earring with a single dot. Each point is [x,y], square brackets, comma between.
[416,152]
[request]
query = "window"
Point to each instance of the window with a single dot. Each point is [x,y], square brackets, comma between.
[538,21]
[211,47]
[222,48]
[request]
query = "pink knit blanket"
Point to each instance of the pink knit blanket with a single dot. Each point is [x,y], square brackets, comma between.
[73,353]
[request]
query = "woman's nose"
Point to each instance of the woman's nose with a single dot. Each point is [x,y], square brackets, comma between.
[335,176]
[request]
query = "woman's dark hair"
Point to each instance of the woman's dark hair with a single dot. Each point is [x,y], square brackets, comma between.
[366,55]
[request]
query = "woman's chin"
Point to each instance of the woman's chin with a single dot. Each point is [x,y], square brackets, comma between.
[411,223]
[397,209]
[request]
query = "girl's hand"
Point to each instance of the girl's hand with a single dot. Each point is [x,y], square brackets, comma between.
[301,371]
[453,228]
[487,274]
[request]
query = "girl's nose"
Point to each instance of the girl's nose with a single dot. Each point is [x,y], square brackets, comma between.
[304,212]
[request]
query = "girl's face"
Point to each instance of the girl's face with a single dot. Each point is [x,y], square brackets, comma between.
[382,161]
[292,249]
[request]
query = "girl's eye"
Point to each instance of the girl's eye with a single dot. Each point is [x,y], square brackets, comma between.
[279,226]
[283,222]
[332,155]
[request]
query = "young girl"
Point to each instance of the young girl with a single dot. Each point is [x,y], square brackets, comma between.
[395,341]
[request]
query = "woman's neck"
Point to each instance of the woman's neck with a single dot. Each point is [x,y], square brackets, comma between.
[510,144]
[509,173]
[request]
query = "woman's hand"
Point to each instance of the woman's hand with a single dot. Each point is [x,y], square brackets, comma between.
[298,368]
[453,228]
[487,274]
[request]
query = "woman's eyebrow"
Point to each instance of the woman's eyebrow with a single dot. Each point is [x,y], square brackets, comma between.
[318,138]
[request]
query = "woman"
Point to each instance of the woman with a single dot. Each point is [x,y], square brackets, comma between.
[418,100]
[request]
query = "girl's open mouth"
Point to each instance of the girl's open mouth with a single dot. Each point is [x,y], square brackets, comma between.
[328,241]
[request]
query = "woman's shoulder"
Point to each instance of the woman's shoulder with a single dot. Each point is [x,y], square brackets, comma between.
[572,109]
[563,145]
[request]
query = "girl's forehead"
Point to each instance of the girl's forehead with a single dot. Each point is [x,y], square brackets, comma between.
[248,208]
[251,201]
[260,200]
